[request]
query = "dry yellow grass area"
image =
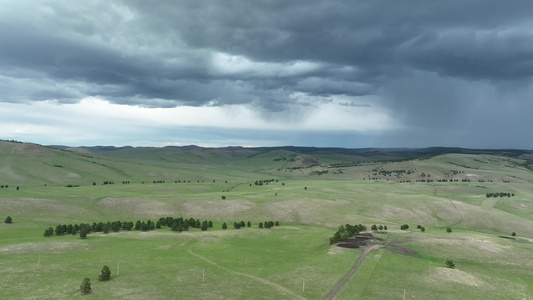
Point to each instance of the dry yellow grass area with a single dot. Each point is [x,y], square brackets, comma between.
[421,215]
[478,248]
[27,148]
[38,247]
[136,206]
[455,276]
[303,210]
[9,172]
[44,206]
[220,208]
[474,243]
[528,207]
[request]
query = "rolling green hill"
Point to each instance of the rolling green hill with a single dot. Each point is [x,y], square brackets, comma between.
[482,195]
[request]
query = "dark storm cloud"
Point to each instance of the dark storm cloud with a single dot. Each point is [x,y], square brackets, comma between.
[432,63]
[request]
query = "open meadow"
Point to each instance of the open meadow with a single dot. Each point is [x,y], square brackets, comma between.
[309,193]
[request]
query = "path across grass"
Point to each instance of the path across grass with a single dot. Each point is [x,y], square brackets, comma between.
[366,250]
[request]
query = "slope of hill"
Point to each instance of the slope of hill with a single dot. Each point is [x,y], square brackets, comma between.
[31,164]
[481,195]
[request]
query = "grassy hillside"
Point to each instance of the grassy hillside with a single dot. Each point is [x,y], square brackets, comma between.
[309,191]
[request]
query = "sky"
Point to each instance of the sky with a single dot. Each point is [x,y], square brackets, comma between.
[321,73]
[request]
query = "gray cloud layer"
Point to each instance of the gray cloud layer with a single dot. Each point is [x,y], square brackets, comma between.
[447,65]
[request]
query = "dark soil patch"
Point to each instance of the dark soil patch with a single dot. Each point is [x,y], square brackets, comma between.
[518,240]
[402,250]
[365,236]
[348,245]
[359,241]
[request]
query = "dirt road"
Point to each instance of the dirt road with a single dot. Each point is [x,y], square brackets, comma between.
[366,250]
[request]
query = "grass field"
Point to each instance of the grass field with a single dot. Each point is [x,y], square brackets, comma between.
[292,261]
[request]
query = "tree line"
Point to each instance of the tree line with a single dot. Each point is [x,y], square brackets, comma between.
[498,195]
[175,224]
[178,224]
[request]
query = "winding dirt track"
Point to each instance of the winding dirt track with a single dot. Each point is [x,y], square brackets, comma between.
[366,250]
[273,285]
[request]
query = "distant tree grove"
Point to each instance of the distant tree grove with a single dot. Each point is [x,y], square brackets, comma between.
[344,232]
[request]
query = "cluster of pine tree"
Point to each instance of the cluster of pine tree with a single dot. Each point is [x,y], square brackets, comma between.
[183,224]
[265,181]
[176,224]
[242,224]
[346,231]
[498,195]
[378,227]
[268,224]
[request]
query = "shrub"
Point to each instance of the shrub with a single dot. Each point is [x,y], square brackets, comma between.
[448,230]
[8,220]
[450,264]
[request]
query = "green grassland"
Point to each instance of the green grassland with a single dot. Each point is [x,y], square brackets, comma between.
[310,193]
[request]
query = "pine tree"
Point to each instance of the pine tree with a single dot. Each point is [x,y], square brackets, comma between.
[105,274]
[85,286]
[8,220]
[49,232]
[84,230]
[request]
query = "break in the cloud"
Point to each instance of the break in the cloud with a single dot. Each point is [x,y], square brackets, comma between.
[319,73]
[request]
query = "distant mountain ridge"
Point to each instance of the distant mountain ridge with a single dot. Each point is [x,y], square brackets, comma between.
[318,150]
[33,164]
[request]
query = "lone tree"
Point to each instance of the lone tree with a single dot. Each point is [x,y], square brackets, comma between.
[448,230]
[85,286]
[105,275]
[8,220]
[450,264]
